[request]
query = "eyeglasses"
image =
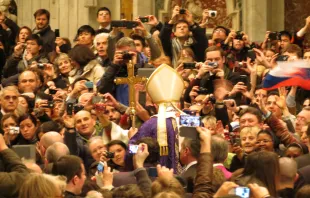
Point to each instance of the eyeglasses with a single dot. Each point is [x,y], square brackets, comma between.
[263,141]
[219,30]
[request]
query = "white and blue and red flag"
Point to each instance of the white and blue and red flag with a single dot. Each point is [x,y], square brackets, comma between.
[295,73]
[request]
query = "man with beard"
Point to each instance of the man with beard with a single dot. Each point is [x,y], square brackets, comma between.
[43,29]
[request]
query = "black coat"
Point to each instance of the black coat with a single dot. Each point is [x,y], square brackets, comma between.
[48,37]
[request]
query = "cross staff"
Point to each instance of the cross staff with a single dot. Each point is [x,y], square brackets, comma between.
[131,80]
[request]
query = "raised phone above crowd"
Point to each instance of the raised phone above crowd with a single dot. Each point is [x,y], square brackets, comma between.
[216,116]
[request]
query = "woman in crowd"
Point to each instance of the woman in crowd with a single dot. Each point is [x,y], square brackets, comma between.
[84,60]
[263,169]
[63,65]
[248,145]
[28,126]
[23,33]
[119,149]
[9,120]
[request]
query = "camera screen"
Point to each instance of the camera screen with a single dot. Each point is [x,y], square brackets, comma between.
[133,148]
[243,192]
[190,121]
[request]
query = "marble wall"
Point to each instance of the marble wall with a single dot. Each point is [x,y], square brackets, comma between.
[295,13]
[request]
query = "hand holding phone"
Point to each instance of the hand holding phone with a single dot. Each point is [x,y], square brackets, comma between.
[100,167]
[133,149]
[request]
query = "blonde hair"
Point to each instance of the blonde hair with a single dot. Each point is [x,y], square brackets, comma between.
[249,130]
[209,120]
[42,185]
[167,185]
[60,57]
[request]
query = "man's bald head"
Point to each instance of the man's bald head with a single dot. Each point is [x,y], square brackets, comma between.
[48,139]
[84,123]
[55,151]
[288,170]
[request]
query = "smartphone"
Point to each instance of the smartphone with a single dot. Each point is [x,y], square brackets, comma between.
[50,104]
[144,19]
[282,58]
[97,99]
[152,171]
[244,79]
[133,149]
[14,130]
[52,91]
[190,120]
[69,108]
[243,192]
[57,34]
[237,141]
[189,65]
[125,24]
[252,55]
[100,167]
[89,85]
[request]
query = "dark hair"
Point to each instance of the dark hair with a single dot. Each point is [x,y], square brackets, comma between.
[117,142]
[214,48]
[28,116]
[86,28]
[36,38]
[77,80]
[293,48]
[69,166]
[193,145]
[264,166]
[82,55]
[41,12]
[227,31]
[303,148]
[48,126]
[275,140]
[180,21]
[20,29]
[103,9]
[140,38]
[286,33]
[7,116]
[153,148]
[254,111]
[273,93]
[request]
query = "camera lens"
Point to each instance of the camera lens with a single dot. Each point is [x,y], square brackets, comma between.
[212,14]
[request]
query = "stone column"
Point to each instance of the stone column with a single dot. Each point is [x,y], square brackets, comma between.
[142,8]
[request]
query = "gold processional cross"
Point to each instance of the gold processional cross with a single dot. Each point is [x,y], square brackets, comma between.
[131,80]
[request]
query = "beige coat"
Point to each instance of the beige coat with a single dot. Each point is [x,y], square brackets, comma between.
[93,71]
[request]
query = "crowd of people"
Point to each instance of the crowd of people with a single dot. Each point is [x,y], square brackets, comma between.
[60,99]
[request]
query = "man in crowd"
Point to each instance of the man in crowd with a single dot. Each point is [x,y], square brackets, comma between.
[43,29]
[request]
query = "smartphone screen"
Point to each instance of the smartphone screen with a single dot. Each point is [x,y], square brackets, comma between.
[189,120]
[133,148]
[100,167]
[242,192]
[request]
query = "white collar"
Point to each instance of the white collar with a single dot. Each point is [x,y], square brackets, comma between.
[107,27]
[189,165]
[218,164]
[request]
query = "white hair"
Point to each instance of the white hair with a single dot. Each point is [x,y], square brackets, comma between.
[100,36]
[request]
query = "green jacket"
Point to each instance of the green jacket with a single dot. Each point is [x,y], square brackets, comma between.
[13,175]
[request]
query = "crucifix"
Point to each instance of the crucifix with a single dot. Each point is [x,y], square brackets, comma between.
[131,80]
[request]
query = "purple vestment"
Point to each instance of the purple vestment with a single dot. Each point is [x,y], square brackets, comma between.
[149,129]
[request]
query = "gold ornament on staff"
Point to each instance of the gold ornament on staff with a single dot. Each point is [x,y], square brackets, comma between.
[131,80]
